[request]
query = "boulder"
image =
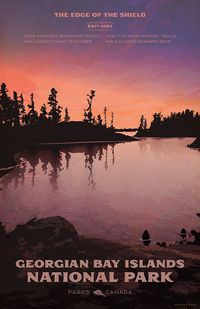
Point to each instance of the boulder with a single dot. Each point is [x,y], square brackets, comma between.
[44,230]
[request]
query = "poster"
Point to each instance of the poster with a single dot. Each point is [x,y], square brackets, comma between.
[99,159]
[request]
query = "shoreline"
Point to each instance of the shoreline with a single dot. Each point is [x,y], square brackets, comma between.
[86,142]
[7,162]
[54,238]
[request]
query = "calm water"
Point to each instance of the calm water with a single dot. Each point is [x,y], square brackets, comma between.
[108,191]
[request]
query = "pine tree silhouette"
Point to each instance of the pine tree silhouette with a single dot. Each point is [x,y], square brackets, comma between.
[43,114]
[5,107]
[112,120]
[99,120]
[88,116]
[105,115]
[55,111]
[22,110]
[32,116]
[67,118]
[15,110]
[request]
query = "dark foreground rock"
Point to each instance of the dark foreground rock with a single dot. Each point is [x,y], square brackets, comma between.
[195,144]
[48,230]
[55,238]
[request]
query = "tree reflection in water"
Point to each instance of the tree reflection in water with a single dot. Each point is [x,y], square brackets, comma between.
[52,161]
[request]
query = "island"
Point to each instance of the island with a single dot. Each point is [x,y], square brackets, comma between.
[177,124]
[23,127]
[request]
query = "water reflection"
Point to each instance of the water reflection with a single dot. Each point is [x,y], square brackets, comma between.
[51,162]
[113,191]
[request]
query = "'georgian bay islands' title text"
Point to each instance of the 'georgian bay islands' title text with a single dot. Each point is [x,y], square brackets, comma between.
[112,271]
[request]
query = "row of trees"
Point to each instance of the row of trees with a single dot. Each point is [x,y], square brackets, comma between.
[89,117]
[185,121]
[14,113]
[187,116]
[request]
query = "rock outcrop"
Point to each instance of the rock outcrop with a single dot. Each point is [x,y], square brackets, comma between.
[48,230]
[56,238]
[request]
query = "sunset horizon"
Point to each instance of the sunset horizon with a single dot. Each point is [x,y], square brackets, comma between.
[130,78]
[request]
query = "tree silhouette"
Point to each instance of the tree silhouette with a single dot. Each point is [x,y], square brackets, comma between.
[88,116]
[43,114]
[5,107]
[105,115]
[22,110]
[157,120]
[55,111]
[141,126]
[112,120]
[32,116]
[145,124]
[99,120]
[67,118]
[15,110]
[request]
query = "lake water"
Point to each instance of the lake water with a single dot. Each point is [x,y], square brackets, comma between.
[111,191]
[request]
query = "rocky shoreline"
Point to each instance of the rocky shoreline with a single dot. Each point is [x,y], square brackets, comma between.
[56,238]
